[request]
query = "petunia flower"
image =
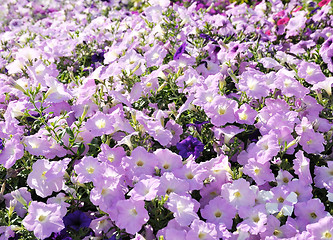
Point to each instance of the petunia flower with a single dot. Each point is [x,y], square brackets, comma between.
[219,210]
[11,152]
[131,215]
[184,208]
[43,219]
[190,146]
[77,220]
[201,230]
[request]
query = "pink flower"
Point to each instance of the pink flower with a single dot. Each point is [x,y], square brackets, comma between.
[282,21]
[131,215]
[44,219]
[323,2]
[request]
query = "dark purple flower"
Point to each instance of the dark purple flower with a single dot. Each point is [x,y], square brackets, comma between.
[180,51]
[207,37]
[312,4]
[77,220]
[314,10]
[1,144]
[98,56]
[190,146]
[254,136]
[62,235]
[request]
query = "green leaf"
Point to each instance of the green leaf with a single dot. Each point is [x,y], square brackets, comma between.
[81,149]
[69,132]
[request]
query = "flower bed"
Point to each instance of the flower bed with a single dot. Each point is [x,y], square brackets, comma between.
[166,120]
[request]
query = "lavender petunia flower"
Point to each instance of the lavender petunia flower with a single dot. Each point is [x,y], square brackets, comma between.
[190,146]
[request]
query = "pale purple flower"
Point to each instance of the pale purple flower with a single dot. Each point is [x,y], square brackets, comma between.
[323,175]
[267,148]
[302,167]
[309,212]
[288,85]
[251,82]
[296,23]
[131,215]
[145,189]
[323,229]
[245,114]
[47,177]
[219,169]
[100,124]
[167,160]
[140,162]
[132,61]
[280,199]
[102,225]
[238,193]
[326,84]
[43,219]
[193,173]
[107,192]
[173,231]
[155,55]
[6,232]
[22,198]
[202,231]
[260,172]
[12,151]
[219,210]
[311,72]
[255,219]
[176,130]
[37,144]
[184,208]
[209,192]
[312,142]
[169,183]
[302,190]
[283,177]
[222,111]
[88,169]
[159,133]
[275,231]
[112,156]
